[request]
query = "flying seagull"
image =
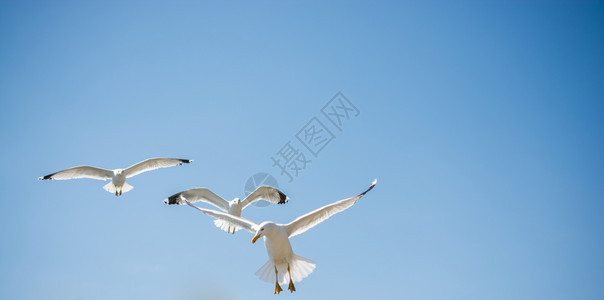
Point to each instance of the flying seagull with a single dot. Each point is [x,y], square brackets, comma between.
[281,259]
[118,177]
[234,207]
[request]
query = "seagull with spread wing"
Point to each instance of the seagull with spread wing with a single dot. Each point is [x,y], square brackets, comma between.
[234,207]
[118,177]
[283,265]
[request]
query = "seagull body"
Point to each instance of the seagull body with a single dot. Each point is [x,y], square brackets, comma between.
[283,264]
[233,207]
[118,177]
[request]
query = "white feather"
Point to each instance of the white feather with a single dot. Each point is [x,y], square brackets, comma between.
[117,176]
[283,264]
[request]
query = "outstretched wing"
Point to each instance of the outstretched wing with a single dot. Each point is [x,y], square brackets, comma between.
[152,164]
[309,220]
[196,195]
[238,221]
[80,172]
[267,193]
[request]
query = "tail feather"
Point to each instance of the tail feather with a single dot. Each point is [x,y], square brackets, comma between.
[267,272]
[110,187]
[226,226]
[302,267]
[126,187]
[299,267]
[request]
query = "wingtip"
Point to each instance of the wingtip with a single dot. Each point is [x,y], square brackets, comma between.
[370,187]
[186,161]
[174,199]
[282,197]
[47,177]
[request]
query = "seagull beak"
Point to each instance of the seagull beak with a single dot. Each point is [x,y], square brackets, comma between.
[255,238]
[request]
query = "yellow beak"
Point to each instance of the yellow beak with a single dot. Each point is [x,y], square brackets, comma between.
[255,238]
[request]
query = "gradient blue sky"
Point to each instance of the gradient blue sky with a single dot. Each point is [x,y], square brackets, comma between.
[482,122]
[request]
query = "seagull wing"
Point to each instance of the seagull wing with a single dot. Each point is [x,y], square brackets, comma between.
[238,221]
[152,164]
[80,172]
[196,195]
[267,193]
[309,220]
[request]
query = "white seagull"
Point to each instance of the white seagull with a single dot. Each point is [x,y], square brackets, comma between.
[118,177]
[281,258]
[234,207]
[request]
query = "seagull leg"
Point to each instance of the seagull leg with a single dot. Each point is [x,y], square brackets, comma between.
[278,288]
[291,287]
[120,192]
[116,192]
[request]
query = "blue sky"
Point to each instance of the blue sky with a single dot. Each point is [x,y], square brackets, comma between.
[481,121]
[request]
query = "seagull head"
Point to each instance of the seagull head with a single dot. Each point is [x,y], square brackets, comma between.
[237,201]
[263,229]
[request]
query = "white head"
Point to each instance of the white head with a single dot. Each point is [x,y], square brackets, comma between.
[236,201]
[265,228]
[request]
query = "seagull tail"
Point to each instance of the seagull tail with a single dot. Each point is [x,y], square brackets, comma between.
[226,226]
[126,187]
[267,272]
[299,267]
[110,187]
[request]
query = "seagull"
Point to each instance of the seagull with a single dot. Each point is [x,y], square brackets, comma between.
[118,177]
[281,259]
[233,207]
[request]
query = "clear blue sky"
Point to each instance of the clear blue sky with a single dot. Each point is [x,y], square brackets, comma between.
[482,122]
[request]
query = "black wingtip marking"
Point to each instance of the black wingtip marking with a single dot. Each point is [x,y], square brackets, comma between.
[47,177]
[186,161]
[282,198]
[369,189]
[174,199]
